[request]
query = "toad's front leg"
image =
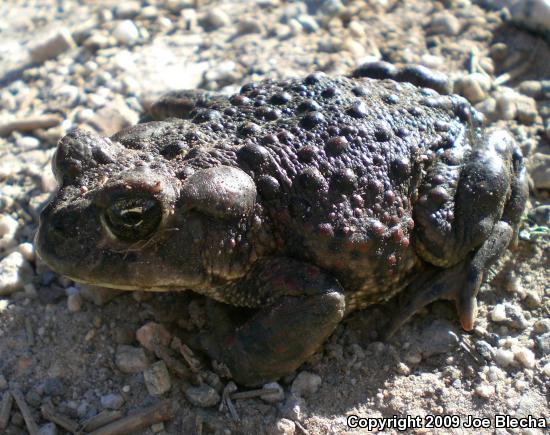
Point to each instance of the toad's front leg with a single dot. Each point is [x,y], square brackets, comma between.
[300,307]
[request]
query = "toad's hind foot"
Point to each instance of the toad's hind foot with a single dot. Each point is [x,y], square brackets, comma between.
[305,307]
[459,283]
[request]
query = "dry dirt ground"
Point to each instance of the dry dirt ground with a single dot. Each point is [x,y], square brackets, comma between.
[75,349]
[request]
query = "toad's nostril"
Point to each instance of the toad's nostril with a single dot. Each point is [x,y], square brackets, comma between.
[62,227]
[55,236]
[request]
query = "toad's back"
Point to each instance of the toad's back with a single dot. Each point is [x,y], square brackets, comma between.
[337,163]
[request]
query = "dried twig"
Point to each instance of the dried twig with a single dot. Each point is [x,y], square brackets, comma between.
[25,411]
[30,123]
[190,358]
[155,414]
[226,401]
[5,409]
[100,420]
[48,412]
[171,362]
[473,60]
[29,331]
[520,69]
[250,394]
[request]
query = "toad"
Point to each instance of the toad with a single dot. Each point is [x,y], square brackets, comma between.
[303,199]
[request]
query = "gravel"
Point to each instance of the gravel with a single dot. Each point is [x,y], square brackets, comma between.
[8,229]
[474,87]
[539,169]
[444,23]
[126,32]
[543,343]
[74,302]
[48,429]
[510,315]
[157,379]
[525,357]
[503,357]
[293,408]
[112,401]
[275,397]
[306,384]
[439,337]
[152,334]
[54,387]
[3,383]
[283,426]
[130,359]
[53,46]
[14,272]
[203,396]
[215,19]
[532,14]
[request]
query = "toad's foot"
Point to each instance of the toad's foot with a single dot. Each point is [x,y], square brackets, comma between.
[459,283]
[305,307]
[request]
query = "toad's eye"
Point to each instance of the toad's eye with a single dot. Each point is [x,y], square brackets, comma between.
[133,218]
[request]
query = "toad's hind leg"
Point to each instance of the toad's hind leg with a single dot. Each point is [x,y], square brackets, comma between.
[466,217]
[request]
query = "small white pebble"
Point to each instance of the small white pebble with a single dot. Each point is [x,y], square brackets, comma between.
[495,374]
[157,427]
[85,115]
[306,384]
[13,271]
[90,335]
[126,32]
[521,385]
[514,285]
[485,391]
[546,369]
[27,250]
[165,23]
[504,357]
[541,326]
[74,302]
[498,314]
[508,342]
[8,225]
[28,142]
[533,299]
[525,357]
[403,369]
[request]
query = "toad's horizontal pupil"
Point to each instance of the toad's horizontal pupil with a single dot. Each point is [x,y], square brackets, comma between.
[133,218]
[135,210]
